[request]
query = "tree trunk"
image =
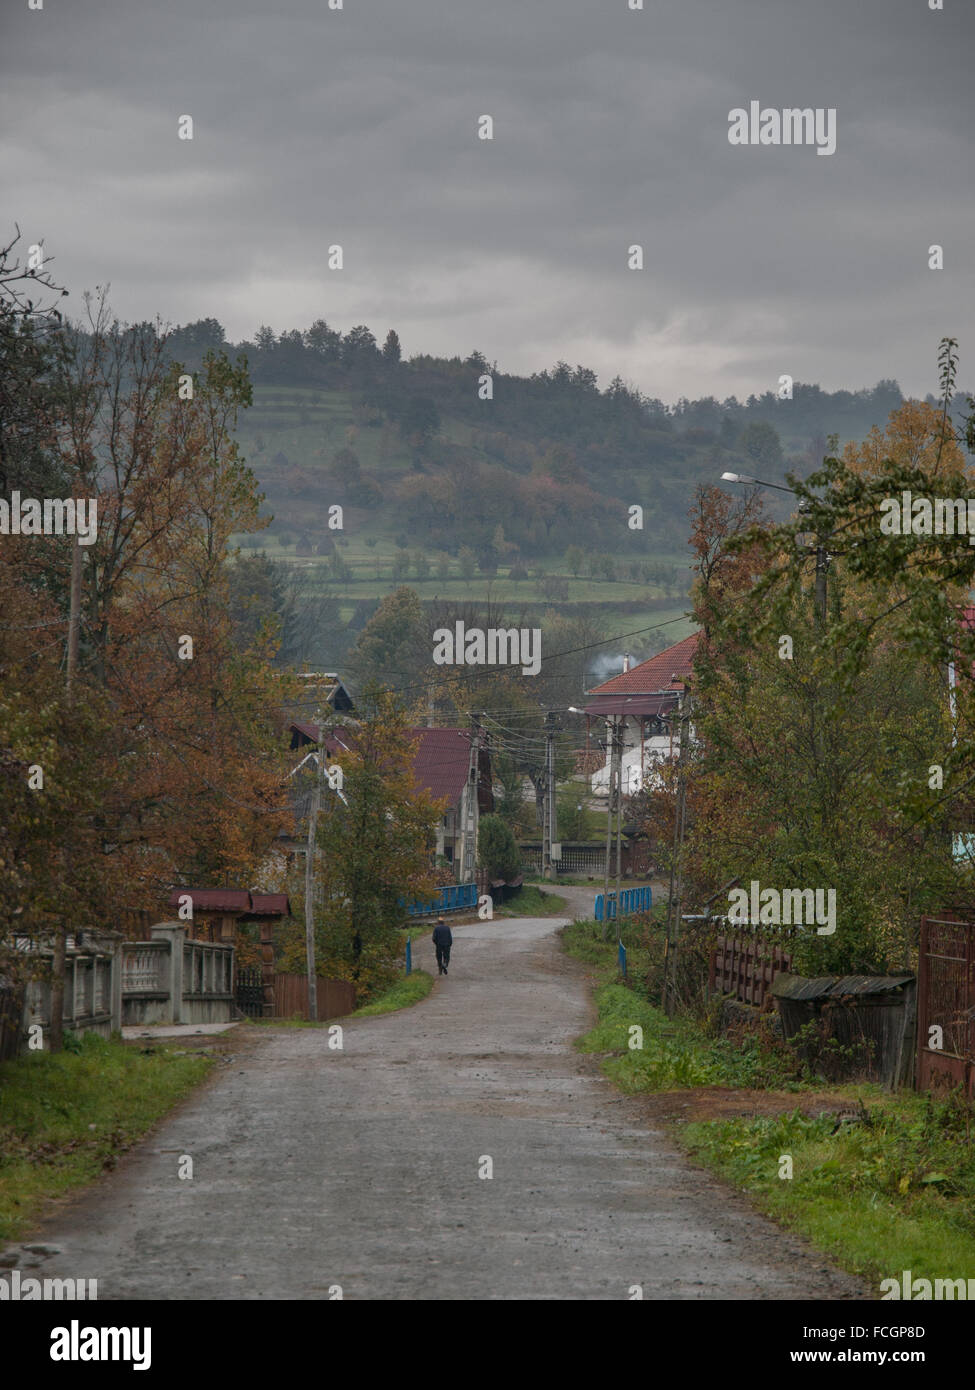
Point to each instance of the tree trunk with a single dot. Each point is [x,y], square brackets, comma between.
[55,1033]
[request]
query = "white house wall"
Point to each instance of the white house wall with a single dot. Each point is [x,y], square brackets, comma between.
[654,750]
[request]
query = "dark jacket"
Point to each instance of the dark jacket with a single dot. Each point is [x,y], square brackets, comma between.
[442,935]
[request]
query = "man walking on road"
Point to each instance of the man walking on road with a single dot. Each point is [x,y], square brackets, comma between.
[443,940]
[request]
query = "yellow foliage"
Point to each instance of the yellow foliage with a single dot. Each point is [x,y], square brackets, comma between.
[912,437]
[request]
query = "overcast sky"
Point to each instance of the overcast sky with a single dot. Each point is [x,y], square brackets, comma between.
[359,127]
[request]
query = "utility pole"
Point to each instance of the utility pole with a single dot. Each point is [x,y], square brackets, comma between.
[546,826]
[316,802]
[58,961]
[74,614]
[613,747]
[549,832]
[469,808]
[676,873]
[619,829]
[619,813]
[822,564]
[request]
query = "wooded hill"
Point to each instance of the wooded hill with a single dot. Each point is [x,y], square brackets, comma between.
[523,499]
[413,453]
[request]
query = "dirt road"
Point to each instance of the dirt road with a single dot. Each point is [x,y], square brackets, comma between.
[361,1168]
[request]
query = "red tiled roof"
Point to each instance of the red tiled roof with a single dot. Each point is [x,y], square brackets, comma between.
[213,899]
[309,731]
[269,905]
[237,900]
[636,706]
[334,740]
[441,762]
[668,670]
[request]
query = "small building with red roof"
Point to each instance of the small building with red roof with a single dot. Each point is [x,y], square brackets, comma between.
[217,911]
[443,766]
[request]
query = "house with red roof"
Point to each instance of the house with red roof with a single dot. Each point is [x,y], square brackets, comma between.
[645,698]
[443,765]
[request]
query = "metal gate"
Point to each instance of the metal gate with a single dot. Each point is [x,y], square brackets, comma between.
[946,1002]
[249,991]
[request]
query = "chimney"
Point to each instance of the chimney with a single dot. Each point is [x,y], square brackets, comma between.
[626,662]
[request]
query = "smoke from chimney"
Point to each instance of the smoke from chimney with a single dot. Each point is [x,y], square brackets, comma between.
[604,667]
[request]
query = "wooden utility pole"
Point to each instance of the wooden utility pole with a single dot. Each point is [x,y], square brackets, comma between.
[59,958]
[316,802]
[74,615]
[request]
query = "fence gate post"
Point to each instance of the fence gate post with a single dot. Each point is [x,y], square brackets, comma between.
[409,956]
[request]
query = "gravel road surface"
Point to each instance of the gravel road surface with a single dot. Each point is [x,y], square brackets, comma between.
[361,1167]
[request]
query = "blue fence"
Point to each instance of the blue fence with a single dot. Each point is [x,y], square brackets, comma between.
[452,898]
[631,900]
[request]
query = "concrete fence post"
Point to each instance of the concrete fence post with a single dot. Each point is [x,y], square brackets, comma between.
[174,933]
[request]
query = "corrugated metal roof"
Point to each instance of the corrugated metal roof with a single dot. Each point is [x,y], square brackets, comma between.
[786,986]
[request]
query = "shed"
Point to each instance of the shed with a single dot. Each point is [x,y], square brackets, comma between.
[874,1014]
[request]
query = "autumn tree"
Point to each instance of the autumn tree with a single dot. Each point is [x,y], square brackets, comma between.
[198,790]
[159,764]
[376,841]
[826,755]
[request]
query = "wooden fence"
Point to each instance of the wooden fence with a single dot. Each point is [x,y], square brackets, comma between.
[744,967]
[335,997]
[946,1005]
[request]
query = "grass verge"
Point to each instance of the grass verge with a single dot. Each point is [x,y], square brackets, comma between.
[532,902]
[409,990]
[896,1193]
[651,1052]
[66,1118]
[889,1186]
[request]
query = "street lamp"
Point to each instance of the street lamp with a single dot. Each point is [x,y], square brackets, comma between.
[822,554]
[746,478]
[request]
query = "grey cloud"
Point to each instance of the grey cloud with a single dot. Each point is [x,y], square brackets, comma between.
[611,127]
